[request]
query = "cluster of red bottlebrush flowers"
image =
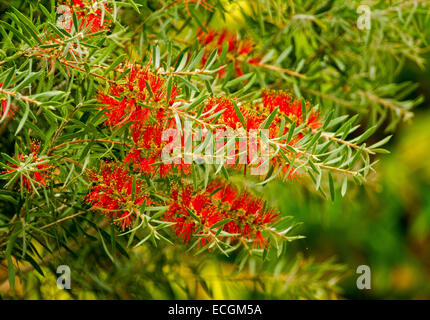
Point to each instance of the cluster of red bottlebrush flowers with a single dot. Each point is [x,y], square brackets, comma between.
[31,169]
[238,52]
[141,102]
[90,14]
[114,196]
[196,214]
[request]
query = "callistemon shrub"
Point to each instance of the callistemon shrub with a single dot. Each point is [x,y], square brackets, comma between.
[155,126]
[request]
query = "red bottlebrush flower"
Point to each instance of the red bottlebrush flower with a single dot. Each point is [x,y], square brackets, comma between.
[238,69]
[247,213]
[147,148]
[253,121]
[255,60]
[3,109]
[146,155]
[195,214]
[245,48]
[184,208]
[31,169]
[206,38]
[232,42]
[225,194]
[112,195]
[123,103]
[288,106]
[237,49]
[120,112]
[229,116]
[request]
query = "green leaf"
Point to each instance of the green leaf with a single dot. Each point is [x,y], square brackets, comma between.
[366,134]
[197,19]
[16,32]
[238,80]
[195,103]
[380,143]
[197,59]
[188,84]
[344,186]
[291,132]
[356,156]
[23,119]
[169,89]
[182,63]
[304,111]
[239,115]
[10,265]
[134,5]
[29,79]
[8,77]
[28,24]
[266,124]
[219,224]
[331,185]
[156,55]
[116,62]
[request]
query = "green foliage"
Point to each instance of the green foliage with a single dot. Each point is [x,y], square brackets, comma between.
[52,77]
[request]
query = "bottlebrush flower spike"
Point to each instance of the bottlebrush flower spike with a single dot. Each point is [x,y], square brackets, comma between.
[239,51]
[229,116]
[146,154]
[31,170]
[292,108]
[194,213]
[185,207]
[248,214]
[254,115]
[113,195]
[123,103]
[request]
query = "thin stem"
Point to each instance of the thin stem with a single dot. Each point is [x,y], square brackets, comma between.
[62,127]
[25,98]
[62,220]
[274,68]
[67,63]
[88,140]
[350,144]
[385,103]
[186,73]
